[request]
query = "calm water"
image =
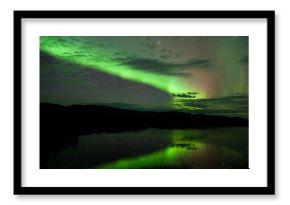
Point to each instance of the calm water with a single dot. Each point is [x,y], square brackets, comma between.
[158,148]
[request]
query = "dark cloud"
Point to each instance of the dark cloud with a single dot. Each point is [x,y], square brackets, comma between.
[198,62]
[156,66]
[233,101]
[230,106]
[185,95]
[193,93]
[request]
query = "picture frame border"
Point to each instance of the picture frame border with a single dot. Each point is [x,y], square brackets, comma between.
[269,189]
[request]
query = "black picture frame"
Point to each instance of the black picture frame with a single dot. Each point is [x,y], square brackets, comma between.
[268,15]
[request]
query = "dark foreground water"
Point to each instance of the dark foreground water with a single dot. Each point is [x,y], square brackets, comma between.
[214,148]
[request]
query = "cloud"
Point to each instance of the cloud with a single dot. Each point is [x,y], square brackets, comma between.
[231,106]
[185,95]
[156,66]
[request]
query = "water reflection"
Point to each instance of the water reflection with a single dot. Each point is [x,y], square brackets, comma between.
[159,148]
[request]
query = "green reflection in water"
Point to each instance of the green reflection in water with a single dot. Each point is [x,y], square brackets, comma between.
[166,157]
[173,156]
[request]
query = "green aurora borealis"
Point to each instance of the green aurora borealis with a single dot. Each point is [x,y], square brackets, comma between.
[102,61]
[194,74]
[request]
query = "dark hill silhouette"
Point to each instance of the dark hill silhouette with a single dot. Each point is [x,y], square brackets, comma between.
[108,119]
[61,125]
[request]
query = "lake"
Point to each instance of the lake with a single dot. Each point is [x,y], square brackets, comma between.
[213,148]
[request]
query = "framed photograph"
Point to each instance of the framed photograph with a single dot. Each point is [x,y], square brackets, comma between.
[144,102]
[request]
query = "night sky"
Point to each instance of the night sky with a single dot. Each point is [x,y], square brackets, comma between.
[193,74]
